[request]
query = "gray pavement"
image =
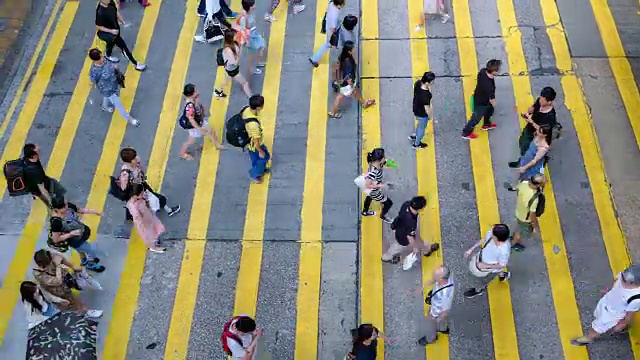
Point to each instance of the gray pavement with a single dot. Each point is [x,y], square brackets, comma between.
[471,329]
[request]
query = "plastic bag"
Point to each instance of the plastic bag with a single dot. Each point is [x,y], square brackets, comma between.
[361,183]
[154,202]
[86,282]
[409,261]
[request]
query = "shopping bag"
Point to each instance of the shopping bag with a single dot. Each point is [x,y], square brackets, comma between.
[154,202]
[361,183]
[409,261]
[86,282]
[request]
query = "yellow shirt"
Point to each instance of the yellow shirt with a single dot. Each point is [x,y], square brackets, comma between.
[525,194]
[253,128]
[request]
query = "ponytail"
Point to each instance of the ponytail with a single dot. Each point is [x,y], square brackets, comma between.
[375,155]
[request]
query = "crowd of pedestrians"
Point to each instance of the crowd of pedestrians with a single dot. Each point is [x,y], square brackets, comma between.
[55,276]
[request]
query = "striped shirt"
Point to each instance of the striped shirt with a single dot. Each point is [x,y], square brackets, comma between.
[374,174]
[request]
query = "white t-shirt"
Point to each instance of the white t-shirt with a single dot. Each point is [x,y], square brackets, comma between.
[443,299]
[615,301]
[493,254]
[333,14]
[238,351]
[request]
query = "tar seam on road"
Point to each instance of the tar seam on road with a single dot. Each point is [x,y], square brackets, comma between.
[370,274]
[505,342]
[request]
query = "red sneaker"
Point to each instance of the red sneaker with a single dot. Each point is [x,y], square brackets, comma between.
[144,3]
[470,136]
[489,127]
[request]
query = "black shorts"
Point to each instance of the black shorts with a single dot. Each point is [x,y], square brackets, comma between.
[234,72]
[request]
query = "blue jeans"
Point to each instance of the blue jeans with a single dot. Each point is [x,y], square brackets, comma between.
[89,249]
[258,164]
[421,128]
[321,50]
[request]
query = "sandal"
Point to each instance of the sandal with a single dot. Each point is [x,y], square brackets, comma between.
[336,115]
[581,341]
[368,103]
[186,157]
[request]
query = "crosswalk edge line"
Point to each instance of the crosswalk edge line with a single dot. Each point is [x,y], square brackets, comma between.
[620,65]
[426,174]
[575,101]
[505,342]
[177,343]
[39,85]
[32,63]
[251,256]
[370,272]
[23,255]
[559,274]
[310,263]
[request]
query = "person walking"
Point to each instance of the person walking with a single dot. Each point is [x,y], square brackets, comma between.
[249,38]
[540,114]
[38,305]
[406,233]
[240,338]
[345,72]
[231,55]
[298,7]
[51,274]
[529,193]
[108,79]
[258,151]
[422,108]
[374,186]
[194,120]
[484,100]
[491,260]
[439,299]
[131,163]
[331,25]
[533,161]
[365,343]
[146,222]
[108,20]
[36,180]
[615,310]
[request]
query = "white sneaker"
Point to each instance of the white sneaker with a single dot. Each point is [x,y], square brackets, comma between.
[141,67]
[94,313]
[113,59]
[297,9]
[106,109]
[200,38]
[445,18]
[134,122]
[257,72]
[268,17]
[215,38]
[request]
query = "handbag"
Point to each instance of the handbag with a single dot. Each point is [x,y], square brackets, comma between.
[335,36]
[70,281]
[475,259]
[120,78]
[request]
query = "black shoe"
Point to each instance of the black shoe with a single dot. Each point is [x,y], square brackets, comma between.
[220,93]
[445,331]
[421,145]
[174,210]
[412,137]
[505,276]
[514,164]
[423,341]
[95,267]
[473,292]
[511,188]
[394,260]
[367,213]
[518,247]
[386,219]
[315,64]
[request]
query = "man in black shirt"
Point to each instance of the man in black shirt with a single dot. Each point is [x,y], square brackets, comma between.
[542,113]
[421,108]
[404,227]
[108,22]
[36,181]
[484,99]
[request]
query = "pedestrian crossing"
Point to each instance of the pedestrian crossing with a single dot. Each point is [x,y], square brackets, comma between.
[293,251]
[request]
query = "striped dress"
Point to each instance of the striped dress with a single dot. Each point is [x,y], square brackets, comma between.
[374,174]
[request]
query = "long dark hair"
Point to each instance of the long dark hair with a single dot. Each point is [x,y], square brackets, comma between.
[136,189]
[363,333]
[547,131]
[28,291]
[230,41]
[346,52]
[375,155]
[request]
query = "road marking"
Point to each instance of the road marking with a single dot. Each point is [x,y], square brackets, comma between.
[27,75]
[310,265]
[371,278]
[620,66]
[612,234]
[39,84]
[505,342]
[251,257]
[426,173]
[564,298]
[33,227]
[194,246]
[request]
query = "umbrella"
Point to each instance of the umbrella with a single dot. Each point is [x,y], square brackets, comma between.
[65,335]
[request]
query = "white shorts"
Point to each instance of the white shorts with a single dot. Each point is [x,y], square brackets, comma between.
[604,320]
[195,133]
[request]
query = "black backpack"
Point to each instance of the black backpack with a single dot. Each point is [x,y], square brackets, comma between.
[236,131]
[541,203]
[14,174]
[220,57]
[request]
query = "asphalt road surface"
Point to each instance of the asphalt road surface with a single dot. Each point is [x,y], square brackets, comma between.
[294,251]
